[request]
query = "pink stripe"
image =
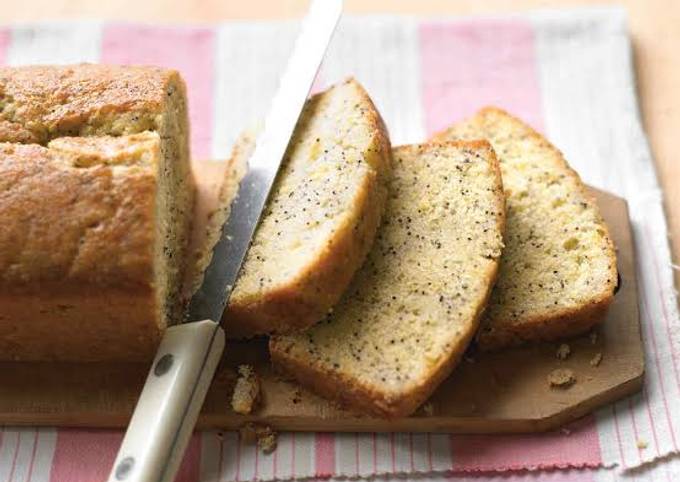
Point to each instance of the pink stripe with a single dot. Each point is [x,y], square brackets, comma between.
[470,64]
[191,50]
[410,451]
[84,455]
[34,451]
[87,456]
[5,39]
[581,448]
[325,454]
[643,307]
[190,469]
[14,458]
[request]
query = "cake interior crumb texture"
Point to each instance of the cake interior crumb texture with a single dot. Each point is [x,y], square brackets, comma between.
[321,219]
[558,270]
[415,304]
[97,199]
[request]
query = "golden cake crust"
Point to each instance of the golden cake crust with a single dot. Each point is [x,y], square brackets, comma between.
[88,154]
[40,103]
[508,321]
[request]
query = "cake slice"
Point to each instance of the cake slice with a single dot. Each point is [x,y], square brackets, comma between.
[415,304]
[558,271]
[97,196]
[321,218]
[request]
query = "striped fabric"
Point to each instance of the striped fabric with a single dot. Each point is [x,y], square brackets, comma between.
[569,73]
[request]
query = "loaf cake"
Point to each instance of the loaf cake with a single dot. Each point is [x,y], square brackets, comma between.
[97,193]
[558,271]
[321,218]
[415,304]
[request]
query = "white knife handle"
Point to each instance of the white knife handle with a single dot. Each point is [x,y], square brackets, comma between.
[168,407]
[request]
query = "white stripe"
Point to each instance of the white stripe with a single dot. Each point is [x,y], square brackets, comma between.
[249,58]
[284,452]
[383,54]
[247,461]
[305,455]
[55,43]
[230,456]
[421,461]
[365,454]
[44,455]
[441,451]
[265,466]
[402,452]
[345,454]
[16,453]
[384,453]
[7,451]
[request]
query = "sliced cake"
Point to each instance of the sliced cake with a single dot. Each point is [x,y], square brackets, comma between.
[321,218]
[558,271]
[410,312]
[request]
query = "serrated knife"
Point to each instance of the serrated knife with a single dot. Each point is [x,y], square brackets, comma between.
[188,355]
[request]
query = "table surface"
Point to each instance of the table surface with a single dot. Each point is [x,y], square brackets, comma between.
[653,23]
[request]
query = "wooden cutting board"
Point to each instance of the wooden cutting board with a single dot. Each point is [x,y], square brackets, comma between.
[501,392]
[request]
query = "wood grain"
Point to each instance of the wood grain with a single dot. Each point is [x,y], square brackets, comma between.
[500,392]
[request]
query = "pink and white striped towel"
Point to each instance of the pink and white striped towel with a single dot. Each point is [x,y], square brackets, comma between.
[567,72]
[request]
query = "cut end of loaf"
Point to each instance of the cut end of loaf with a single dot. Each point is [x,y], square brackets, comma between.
[558,271]
[415,303]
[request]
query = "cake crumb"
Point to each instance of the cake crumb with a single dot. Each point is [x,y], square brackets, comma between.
[428,409]
[642,444]
[561,378]
[596,360]
[563,352]
[565,431]
[263,435]
[246,391]
[297,396]
[593,337]
[267,440]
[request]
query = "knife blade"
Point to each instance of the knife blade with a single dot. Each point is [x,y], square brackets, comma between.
[189,353]
[230,251]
